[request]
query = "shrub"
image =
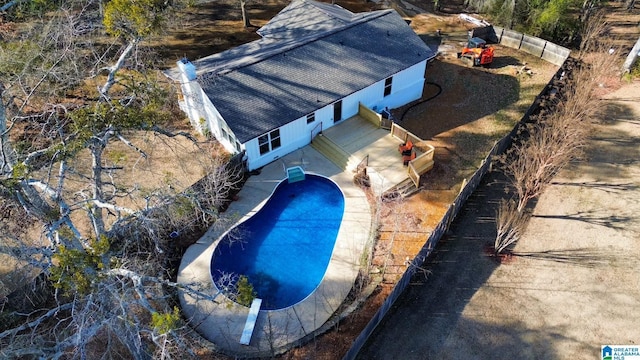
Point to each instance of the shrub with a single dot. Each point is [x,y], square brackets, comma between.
[165,322]
[246,293]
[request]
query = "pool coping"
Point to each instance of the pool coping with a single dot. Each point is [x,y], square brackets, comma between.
[222,322]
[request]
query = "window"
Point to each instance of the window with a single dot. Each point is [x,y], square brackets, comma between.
[269,142]
[387,86]
[275,139]
[311,118]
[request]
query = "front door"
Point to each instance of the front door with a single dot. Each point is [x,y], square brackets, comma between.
[337,111]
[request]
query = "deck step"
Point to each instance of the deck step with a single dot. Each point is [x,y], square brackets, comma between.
[334,152]
[403,189]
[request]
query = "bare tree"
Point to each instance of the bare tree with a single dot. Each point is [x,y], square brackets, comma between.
[245,16]
[64,103]
[557,137]
[533,164]
[510,224]
[42,128]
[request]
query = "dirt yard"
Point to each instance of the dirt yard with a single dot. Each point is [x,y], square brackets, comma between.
[210,27]
[573,284]
[554,300]
[476,107]
[549,302]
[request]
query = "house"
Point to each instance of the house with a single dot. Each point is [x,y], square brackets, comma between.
[314,64]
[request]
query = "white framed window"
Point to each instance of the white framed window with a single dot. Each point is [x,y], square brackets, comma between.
[311,118]
[269,142]
[387,86]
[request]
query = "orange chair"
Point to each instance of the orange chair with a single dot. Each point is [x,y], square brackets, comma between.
[409,157]
[406,147]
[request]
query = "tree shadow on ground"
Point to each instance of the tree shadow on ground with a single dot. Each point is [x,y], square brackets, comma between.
[211,27]
[506,340]
[432,306]
[614,112]
[586,257]
[450,6]
[611,151]
[592,217]
[504,61]
[602,186]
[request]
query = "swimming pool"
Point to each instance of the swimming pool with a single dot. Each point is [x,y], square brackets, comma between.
[284,249]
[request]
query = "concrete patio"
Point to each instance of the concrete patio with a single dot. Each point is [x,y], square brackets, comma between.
[221,321]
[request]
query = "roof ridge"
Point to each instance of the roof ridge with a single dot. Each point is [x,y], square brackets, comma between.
[278,47]
[329,10]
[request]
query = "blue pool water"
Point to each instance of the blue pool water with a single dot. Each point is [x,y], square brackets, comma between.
[284,249]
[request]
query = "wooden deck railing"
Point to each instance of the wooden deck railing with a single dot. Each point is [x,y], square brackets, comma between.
[416,167]
[362,165]
[422,163]
[369,115]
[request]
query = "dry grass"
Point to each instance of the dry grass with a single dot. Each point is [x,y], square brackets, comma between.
[462,123]
[211,27]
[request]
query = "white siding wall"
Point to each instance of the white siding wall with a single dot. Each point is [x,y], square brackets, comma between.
[407,86]
[216,124]
[371,96]
[325,116]
[350,104]
[198,106]
[292,137]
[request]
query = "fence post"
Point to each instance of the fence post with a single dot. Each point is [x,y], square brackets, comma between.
[464,183]
[543,48]
[450,218]
[521,40]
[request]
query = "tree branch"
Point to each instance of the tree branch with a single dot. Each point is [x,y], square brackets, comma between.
[142,279]
[36,322]
[112,207]
[162,131]
[111,78]
[131,145]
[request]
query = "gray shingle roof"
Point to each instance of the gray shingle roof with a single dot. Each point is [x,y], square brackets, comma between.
[302,18]
[266,84]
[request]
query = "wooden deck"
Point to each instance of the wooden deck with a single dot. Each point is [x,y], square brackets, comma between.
[360,138]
